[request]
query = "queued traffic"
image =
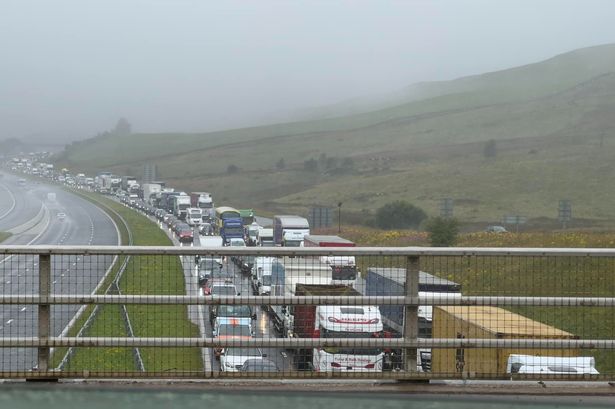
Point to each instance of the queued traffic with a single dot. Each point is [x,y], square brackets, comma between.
[194,219]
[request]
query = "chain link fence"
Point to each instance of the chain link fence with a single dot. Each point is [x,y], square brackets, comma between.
[379,313]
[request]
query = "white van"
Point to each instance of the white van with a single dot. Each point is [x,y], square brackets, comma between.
[551,365]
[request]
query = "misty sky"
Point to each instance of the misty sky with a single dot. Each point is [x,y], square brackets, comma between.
[71,68]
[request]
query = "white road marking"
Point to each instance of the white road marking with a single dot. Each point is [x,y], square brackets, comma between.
[9,321]
[23,309]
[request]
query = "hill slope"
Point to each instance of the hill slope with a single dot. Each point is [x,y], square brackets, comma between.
[552,123]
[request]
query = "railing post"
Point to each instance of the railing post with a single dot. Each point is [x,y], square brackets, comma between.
[411,323]
[44,290]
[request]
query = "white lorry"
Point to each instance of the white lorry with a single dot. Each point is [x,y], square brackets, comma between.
[265,237]
[289,231]
[194,216]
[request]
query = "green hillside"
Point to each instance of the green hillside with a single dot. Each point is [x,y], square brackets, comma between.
[551,122]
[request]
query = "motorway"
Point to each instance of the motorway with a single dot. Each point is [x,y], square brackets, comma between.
[33,213]
[199,315]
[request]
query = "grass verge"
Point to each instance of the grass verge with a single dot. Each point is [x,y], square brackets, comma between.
[4,235]
[143,275]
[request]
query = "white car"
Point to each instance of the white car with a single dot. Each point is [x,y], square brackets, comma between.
[236,242]
[232,359]
[61,216]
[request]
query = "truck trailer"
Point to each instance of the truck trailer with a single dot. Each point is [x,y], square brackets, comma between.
[485,322]
[289,231]
[344,267]
[335,321]
[391,282]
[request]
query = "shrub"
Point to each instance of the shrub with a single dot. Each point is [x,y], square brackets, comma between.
[442,231]
[399,215]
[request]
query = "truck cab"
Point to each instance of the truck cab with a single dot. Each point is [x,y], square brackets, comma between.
[194,216]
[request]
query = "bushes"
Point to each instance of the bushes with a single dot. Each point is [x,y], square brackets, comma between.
[399,215]
[442,231]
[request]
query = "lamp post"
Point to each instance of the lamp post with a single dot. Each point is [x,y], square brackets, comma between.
[339,217]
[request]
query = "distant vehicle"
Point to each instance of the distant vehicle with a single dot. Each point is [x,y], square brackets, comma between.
[259,365]
[236,242]
[289,231]
[184,233]
[228,223]
[496,229]
[247,216]
[265,237]
[61,216]
[194,216]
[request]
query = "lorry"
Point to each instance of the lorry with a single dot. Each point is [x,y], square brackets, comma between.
[344,267]
[204,201]
[265,237]
[127,182]
[286,274]
[391,282]
[337,321]
[232,228]
[289,231]
[148,192]
[247,216]
[194,216]
[251,233]
[486,322]
[179,205]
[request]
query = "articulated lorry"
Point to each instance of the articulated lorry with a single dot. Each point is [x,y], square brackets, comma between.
[179,205]
[344,267]
[335,321]
[204,201]
[148,190]
[289,231]
[391,282]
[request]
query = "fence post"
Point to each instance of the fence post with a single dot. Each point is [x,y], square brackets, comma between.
[411,322]
[44,290]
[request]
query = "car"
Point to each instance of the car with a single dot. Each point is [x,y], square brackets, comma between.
[222,287]
[236,242]
[230,311]
[233,359]
[496,229]
[259,365]
[61,216]
[184,232]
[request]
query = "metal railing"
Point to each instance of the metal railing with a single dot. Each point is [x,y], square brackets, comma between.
[483,313]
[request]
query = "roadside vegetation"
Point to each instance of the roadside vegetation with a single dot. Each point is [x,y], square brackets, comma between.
[523,276]
[145,275]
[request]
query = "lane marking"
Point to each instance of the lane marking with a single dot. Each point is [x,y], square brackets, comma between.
[12,196]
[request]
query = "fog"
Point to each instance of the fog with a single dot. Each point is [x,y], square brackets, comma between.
[71,68]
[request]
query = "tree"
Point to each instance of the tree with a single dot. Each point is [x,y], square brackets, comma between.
[490,149]
[399,215]
[122,127]
[348,163]
[280,164]
[232,169]
[310,165]
[442,231]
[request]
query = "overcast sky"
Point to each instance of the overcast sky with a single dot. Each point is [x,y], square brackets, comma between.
[73,67]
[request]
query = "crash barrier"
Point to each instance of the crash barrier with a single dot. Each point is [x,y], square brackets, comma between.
[378,313]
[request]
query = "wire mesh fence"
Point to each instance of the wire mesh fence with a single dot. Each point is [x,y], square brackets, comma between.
[272,312]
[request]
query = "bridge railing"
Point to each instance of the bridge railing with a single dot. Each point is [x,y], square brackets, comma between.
[381,313]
